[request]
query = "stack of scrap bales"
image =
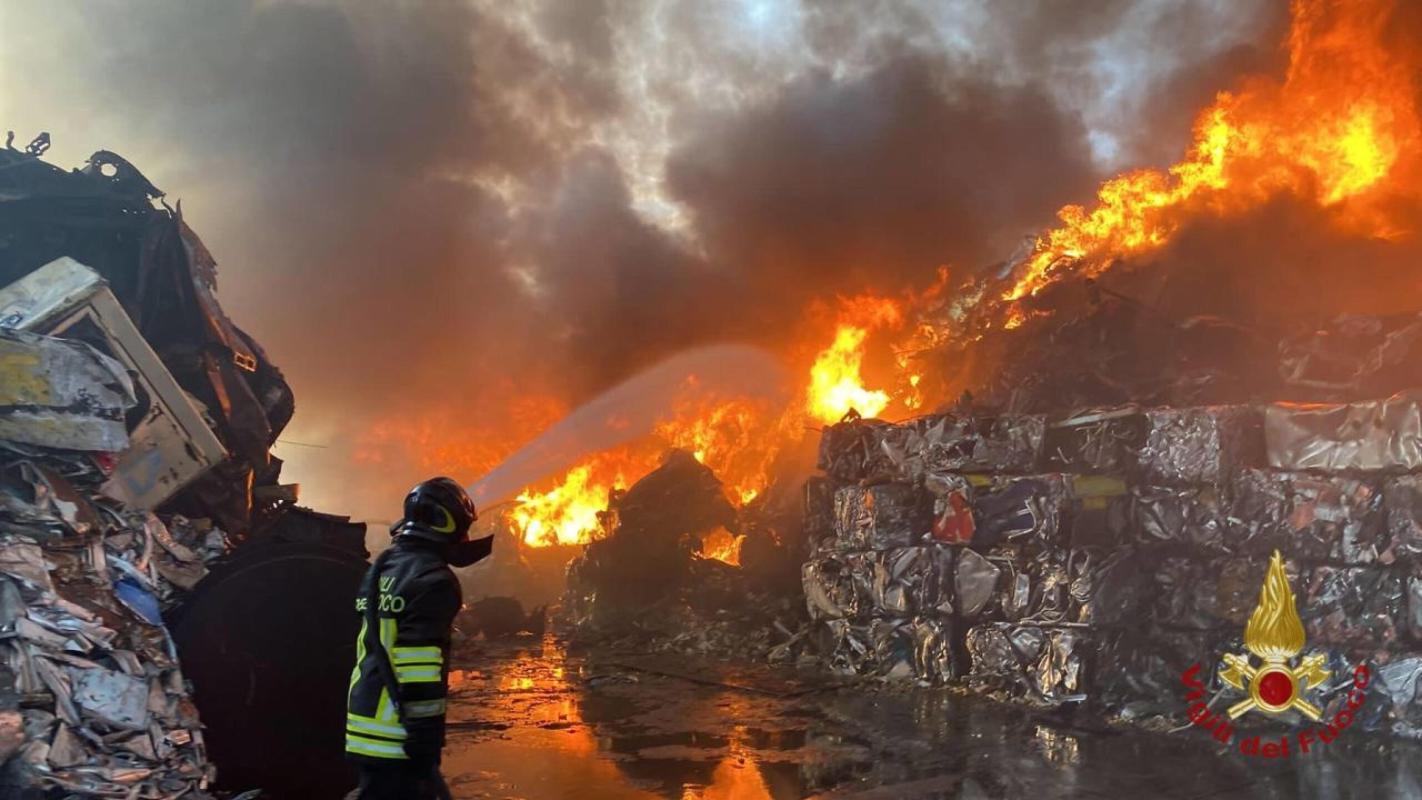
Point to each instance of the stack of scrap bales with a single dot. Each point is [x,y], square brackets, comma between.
[1094,558]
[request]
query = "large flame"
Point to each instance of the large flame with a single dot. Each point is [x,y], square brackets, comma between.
[738,438]
[836,384]
[1331,132]
[1274,632]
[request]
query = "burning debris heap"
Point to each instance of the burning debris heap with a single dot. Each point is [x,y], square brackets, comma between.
[682,569]
[1091,558]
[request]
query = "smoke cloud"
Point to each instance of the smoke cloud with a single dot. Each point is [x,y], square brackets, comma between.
[451,222]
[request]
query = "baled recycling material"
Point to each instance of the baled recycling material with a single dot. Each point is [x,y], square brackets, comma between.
[1090,558]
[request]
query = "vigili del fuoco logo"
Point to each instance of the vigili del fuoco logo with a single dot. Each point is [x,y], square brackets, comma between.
[1280,683]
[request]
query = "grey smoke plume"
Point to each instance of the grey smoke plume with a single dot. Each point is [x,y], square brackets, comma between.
[422,209]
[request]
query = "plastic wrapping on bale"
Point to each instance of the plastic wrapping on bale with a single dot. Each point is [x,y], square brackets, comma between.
[1353,606]
[1200,445]
[880,517]
[950,443]
[1195,517]
[1096,441]
[1325,518]
[1378,435]
[1028,511]
[1046,666]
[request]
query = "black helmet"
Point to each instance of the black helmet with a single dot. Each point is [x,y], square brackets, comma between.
[440,510]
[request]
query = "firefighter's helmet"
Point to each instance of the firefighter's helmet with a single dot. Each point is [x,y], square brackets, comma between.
[438,509]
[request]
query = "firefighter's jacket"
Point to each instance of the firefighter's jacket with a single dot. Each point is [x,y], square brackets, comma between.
[407,603]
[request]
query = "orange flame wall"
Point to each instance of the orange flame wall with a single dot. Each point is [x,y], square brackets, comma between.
[1335,130]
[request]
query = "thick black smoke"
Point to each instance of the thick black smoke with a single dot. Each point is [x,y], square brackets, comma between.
[421,209]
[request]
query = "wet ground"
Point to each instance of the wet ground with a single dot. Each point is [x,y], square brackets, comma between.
[531,721]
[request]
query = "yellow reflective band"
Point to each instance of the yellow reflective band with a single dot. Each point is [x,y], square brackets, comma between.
[373,747]
[359,724]
[412,655]
[419,674]
[448,526]
[420,709]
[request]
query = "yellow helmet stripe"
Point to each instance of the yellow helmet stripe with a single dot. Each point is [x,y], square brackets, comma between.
[448,526]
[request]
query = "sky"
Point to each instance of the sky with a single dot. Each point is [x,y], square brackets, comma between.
[449,222]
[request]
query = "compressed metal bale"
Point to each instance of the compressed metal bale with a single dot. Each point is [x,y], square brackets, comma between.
[1190,517]
[853,450]
[1061,672]
[947,442]
[1188,446]
[1107,586]
[1104,441]
[1139,671]
[1353,606]
[1044,665]
[953,521]
[818,507]
[1100,511]
[1396,683]
[1377,435]
[829,587]
[975,581]
[909,581]
[900,582]
[1402,501]
[1027,511]
[997,663]
[1210,594]
[880,517]
[1323,518]
[933,650]
[1413,618]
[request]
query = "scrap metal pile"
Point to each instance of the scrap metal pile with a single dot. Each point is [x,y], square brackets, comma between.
[92,697]
[1092,558]
[135,427]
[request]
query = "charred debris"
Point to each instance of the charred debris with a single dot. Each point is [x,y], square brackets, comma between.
[136,422]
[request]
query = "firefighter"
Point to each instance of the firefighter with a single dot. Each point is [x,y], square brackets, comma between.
[407,602]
